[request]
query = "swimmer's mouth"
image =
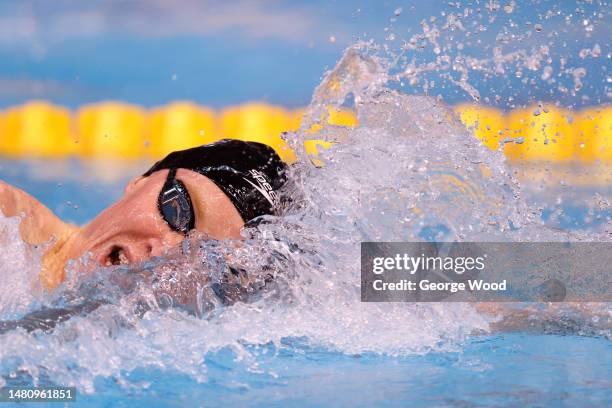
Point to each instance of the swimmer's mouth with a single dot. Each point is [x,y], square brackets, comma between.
[117,255]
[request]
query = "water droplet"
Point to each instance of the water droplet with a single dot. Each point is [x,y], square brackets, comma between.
[493,5]
[332,39]
[578,74]
[538,28]
[509,8]
[397,11]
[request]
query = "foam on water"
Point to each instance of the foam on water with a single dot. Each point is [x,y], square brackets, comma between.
[410,171]
[20,287]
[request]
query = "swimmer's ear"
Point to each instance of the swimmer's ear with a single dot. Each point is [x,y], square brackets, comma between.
[132,184]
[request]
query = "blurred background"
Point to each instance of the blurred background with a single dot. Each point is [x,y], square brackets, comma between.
[115,80]
[220,53]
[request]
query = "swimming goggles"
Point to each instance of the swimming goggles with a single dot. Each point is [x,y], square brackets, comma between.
[175,205]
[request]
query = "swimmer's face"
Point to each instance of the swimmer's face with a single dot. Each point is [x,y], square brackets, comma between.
[133,229]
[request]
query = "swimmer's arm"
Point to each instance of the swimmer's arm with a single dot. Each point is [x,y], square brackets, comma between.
[506,317]
[38,224]
[547,317]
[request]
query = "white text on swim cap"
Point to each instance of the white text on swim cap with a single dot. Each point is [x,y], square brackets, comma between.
[263,186]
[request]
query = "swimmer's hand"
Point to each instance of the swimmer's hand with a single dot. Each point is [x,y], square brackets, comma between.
[586,318]
[46,319]
[38,226]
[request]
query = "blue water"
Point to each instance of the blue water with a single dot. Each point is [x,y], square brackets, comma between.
[320,346]
[504,369]
[73,190]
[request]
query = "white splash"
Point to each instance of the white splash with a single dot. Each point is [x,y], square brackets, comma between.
[20,287]
[410,171]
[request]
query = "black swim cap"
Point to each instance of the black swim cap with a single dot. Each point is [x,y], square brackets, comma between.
[249,173]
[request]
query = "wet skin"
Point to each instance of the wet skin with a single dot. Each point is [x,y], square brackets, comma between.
[131,230]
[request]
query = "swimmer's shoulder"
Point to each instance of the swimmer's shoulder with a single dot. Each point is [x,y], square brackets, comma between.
[38,223]
[39,226]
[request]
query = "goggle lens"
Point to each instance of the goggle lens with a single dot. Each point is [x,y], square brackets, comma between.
[175,204]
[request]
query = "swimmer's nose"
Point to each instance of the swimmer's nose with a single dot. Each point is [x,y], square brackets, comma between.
[129,252]
[116,255]
[156,247]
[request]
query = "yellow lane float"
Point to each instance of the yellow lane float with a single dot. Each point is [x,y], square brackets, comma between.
[488,124]
[37,129]
[179,126]
[547,134]
[595,134]
[112,130]
[258,122]
[118,130]
[295,119]
[3,140]
[335,117]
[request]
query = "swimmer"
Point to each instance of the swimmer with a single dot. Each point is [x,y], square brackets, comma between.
[214,189]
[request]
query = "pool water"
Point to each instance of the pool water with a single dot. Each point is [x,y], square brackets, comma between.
[310,341]
[505,370]
[563,368]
